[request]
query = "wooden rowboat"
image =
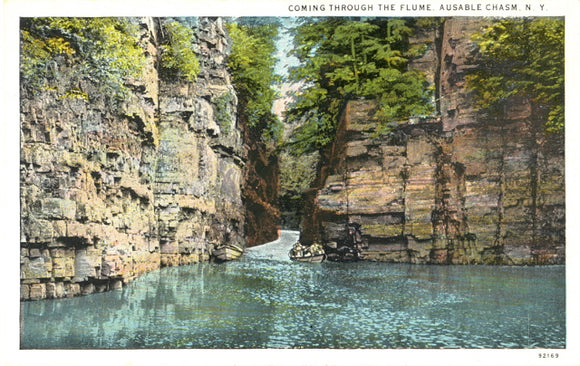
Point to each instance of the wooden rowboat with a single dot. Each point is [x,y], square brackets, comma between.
[227,253]
[317,258]
[313,253]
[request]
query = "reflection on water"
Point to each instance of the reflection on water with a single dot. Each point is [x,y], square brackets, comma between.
[267,301]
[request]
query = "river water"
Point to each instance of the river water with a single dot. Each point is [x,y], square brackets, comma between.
[266,301]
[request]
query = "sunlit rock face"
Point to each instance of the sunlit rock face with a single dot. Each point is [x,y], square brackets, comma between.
[107,195]
[457,189]
[199,171]
[488,193]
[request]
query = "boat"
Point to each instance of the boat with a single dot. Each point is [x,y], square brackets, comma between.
[317,258]
[227,253]
[302,253]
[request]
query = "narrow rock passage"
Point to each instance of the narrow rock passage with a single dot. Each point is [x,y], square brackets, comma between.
[277,249]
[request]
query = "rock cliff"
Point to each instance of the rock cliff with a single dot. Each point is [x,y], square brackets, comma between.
[462,188]
[107,195]
[260,193]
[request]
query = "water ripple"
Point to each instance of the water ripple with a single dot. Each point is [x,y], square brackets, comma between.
[267,301]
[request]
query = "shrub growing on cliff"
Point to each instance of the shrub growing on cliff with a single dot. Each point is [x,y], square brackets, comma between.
[522,57]
[223,114]
[343,58]
[103,51]
[252,62]
[178,54]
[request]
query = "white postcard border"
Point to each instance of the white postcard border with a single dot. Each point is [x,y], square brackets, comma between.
[9,197]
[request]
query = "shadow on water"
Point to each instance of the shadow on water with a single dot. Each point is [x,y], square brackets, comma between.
[266,301]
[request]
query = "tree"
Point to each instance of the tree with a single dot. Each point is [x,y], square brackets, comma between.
[178,55]
[522,57]
[104,51]
[252,62]
[343,58]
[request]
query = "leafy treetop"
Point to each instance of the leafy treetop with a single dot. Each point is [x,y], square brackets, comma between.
[342,58]
[522,56]
[252,62]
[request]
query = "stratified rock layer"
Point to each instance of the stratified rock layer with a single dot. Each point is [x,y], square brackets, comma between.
[462,188]
[489,193]
[108,195]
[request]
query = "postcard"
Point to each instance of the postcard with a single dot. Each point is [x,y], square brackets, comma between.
[289,182]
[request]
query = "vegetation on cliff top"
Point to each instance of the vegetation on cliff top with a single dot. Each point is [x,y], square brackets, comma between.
[343,58]
[178,55]
[104,51]
[522,57]
[252,62]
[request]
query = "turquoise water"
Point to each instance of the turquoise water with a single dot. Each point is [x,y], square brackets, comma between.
[267,301]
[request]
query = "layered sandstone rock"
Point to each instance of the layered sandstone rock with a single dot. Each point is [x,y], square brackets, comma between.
[461,188]
[107,195]
[458,55]
[199,171]
[489,193]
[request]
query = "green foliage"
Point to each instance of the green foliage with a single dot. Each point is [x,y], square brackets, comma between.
[103,51]
[296,175]
[223,113]
[252,62]
[75,93]
[429,23]
[178,54]
[522,57]
[342,59]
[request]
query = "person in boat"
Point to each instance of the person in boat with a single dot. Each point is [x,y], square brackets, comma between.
[308,251]
[316,249]
[297,250]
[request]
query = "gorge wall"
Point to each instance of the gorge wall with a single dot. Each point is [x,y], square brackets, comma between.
[462,188]
[107,195]
[260,193]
